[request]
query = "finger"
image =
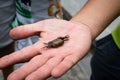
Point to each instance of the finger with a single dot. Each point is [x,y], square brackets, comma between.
[64,66]
[28,68]
[19,56]
[27,30]
[45,71]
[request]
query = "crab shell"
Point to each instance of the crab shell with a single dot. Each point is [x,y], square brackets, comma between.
[57,42]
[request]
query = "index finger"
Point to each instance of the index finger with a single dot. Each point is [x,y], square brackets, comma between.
[27,30]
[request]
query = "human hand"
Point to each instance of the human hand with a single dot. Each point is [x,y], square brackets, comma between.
[46,62]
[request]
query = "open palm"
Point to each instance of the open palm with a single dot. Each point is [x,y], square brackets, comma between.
[46,62]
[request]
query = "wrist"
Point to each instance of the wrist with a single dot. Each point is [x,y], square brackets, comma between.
[85,27]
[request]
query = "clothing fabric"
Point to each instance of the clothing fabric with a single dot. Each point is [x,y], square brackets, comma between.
[7,13]
[116,35]
[105,61]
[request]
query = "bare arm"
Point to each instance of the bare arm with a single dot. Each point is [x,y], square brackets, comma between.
[98,14]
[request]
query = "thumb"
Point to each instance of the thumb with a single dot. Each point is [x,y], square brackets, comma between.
[25,31]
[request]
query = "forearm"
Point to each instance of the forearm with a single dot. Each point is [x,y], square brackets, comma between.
[98,14]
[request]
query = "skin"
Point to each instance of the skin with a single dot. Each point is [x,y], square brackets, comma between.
[43,63]
[51,61]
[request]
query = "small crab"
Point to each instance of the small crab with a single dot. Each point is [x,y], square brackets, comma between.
[56,42]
